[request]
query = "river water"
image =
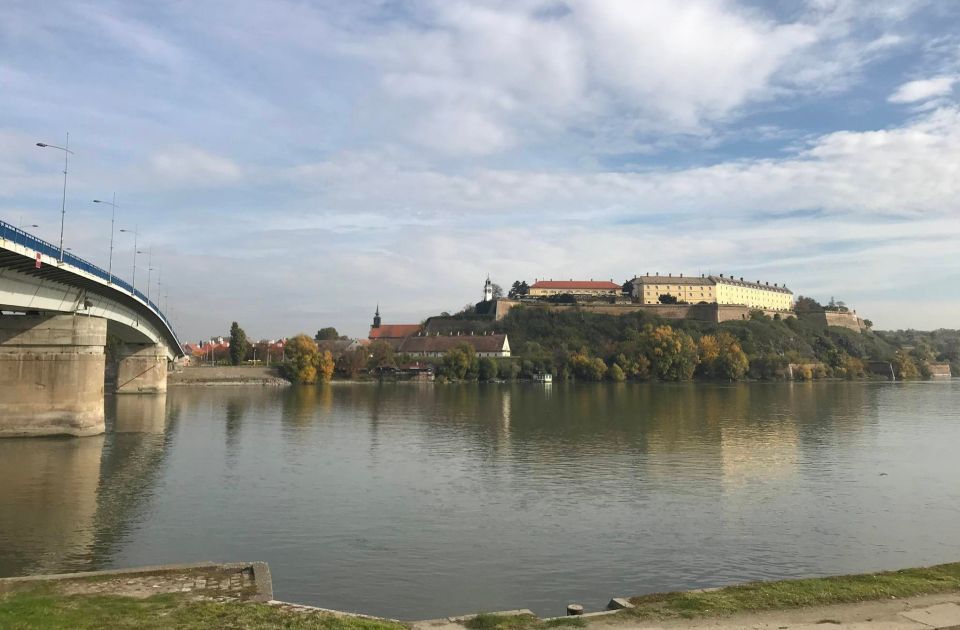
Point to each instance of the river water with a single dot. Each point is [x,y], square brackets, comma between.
[417,501]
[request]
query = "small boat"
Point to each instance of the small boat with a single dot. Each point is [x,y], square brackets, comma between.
[543,377]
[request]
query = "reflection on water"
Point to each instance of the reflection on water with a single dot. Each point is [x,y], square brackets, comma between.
[416,500]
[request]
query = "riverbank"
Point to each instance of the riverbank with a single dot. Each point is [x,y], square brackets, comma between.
[239,595]
[227,375]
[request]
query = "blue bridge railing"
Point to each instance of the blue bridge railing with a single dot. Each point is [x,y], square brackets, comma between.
[15,234]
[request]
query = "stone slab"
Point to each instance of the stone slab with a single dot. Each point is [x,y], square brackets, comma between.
[941,616]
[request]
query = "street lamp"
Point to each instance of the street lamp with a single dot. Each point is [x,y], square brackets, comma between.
[133,283]
[149,254]
[113,219]
[63,207]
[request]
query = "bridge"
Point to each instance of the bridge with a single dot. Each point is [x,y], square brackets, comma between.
[55,320]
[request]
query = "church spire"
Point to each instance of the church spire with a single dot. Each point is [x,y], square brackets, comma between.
[376,317]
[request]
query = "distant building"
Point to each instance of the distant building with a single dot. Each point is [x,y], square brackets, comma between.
[490,345]
[393,334]
[593,288]
[713,290]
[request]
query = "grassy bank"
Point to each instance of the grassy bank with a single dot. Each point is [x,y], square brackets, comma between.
[754,597]
[43,608]
[786,594]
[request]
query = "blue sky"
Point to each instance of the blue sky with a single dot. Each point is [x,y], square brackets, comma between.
[292,164]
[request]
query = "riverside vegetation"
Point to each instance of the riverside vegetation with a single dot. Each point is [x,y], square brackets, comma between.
[584,346]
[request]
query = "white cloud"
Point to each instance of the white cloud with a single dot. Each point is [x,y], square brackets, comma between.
[193,167]
[923,89]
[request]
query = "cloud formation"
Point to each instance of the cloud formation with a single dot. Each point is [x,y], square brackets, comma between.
[294,163]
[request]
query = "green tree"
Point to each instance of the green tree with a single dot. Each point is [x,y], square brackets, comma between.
[615,373]
[327,334]
[302,359]
[806,305]
[239,346]
[381,355]
[488,369]
[732,362]
[666,298]
[518,290]
[459,361]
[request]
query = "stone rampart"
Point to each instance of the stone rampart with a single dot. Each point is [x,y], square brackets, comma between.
[698,312]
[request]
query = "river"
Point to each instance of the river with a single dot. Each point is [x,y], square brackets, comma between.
[417,501]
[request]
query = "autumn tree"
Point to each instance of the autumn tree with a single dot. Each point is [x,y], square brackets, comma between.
[587,368]
[239,346]
[325,365]
[672,353]
[302,359]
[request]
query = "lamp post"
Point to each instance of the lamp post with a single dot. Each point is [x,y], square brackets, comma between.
[133,283]
[63,206]
[113,220]
[149,254]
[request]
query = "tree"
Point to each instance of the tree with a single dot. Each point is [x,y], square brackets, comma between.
[806,305]
[325,365]
[586,368]
[239,346]
[868,323]
[518,290]
[459,361]
[381,355]
[488,369]
[672,353]
[302,359]
[351,363]
[327,334]
[732,362]
[497,291]
[615,373]
[627,287]
[666,298]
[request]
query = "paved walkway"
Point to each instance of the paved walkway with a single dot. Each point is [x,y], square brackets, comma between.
[913,613]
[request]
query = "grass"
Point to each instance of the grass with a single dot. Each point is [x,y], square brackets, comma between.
[761,596]
[39,608]
[487,621]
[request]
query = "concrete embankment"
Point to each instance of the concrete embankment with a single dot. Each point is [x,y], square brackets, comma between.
[226,376]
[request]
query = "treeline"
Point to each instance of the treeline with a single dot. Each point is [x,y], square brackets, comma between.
[592,346]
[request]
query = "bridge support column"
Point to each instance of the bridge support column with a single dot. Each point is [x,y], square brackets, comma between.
[51,375]
[142,369]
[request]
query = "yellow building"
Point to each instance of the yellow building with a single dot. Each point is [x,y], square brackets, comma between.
[713,290]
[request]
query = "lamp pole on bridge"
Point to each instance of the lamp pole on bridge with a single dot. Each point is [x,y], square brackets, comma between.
[63,206]
[133,282]
[149,254]
[113,220]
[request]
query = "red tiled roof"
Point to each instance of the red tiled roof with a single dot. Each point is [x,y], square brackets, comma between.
[575,284]
[442,343]
[394,331]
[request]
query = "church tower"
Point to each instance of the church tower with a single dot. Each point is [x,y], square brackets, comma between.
[487,290]
[376,317]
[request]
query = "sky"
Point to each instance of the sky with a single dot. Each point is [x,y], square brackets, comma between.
[292,164]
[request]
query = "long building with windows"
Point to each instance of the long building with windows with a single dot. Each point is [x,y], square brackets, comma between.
[592,288]
[711,289]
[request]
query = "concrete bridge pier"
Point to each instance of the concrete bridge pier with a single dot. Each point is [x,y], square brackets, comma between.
[141,369]
[51,375]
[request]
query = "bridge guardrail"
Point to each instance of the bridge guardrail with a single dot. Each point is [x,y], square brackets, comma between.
[15,234]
